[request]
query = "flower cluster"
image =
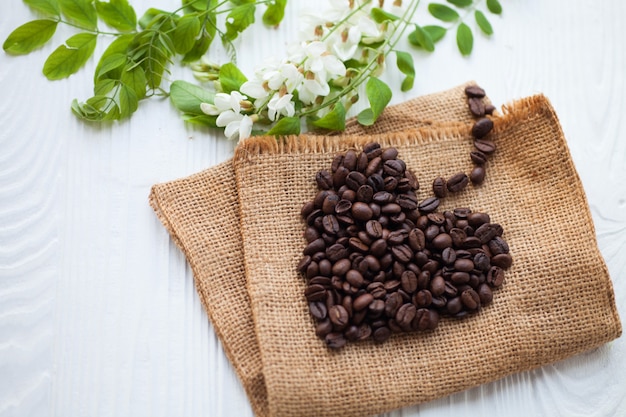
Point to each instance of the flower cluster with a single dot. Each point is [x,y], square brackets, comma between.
[336,47]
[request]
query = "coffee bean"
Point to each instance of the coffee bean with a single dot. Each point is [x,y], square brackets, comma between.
[402,253]
[339,177]
[460,277]
[486,232]
[338,316]
[495,276]
[474,91]
[315,292]
[457,182]
[391,183]
[503,260]
[477,176]
[361,211]
[337,162]
[442,241]
[362,301]
[497,245]
[350,159]
[482,127]
[376,308]
[416,239]
[355,278]
[428,205]
[330,224]
[423,298]
[335,340]
[318,310]
[439,187]
[336,252]
[374,229]
[476,219]
[355,179]
[463,265]
[425,319]
[307,209]
[478,158]
[324,180]
[317,245]
[372,150]
[409,281]
[373,166]
[377,182]
[490,108]
[377,289]
[470,299]
[476,106]
[405,315]
[391,208]
[381,334]
[394,167]
[378,247]
[482,262]
[356,244]
[448,255]
[485,146]
[389,153]
[397,237]
[325,267]
[413,182]
[485,294]
[407,201]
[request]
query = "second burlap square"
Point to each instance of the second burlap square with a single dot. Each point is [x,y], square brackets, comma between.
[557,299]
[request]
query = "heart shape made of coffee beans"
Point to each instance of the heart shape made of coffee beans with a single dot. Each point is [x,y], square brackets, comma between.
[378,262]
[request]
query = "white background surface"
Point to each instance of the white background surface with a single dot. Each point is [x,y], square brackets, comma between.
[98,313]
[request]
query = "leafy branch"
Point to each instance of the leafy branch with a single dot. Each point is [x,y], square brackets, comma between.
[134,64]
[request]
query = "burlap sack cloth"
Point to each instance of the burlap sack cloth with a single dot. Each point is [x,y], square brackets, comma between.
[557,299]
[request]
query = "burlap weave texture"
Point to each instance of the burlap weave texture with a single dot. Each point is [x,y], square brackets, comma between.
[201,213]
[557,299]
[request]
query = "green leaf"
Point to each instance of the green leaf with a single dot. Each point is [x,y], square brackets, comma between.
[82,12]
[201,45]
[464,39]
[274,13]
[494,6]
[436,32]
[68,58]
[48,7]
[110,63]
[420,38]
[135,78]
[118,46]
[200,119]
[29,36]
[192,6]
[186,32]
[483,23]
[118,14]
[103,87]
[443,12]
[379,94]
[404,61]
[238,20]
[150,16]
[187,97]
[231,77]
[460,3]
[286,126]
[127,101]
[333,120]
[379,15]
[150,50]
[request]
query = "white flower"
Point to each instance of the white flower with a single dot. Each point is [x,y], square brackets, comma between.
[311,88]
[345,43]
[223,102]
[236,124]
[370,30]
[280,106]
[317,60]
[286,74]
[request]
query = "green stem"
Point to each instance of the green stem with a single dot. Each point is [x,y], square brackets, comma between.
[96,31]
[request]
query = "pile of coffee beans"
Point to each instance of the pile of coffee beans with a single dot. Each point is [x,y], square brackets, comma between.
[378,261]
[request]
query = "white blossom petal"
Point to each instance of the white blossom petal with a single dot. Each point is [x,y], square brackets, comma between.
[254,89]
[210,109]
[245,128]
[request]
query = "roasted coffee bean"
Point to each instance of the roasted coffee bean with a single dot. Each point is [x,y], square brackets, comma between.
[317,245]
[339,177]
[361,162]
[448,255]
[405,315]
[416,239]
[356,244]
[497,246]
[364,193]
[330,224]
[439,187]
[460,277]
[315,292]
[336,252]
[490,108]
[485,294]
[482,127]
[485,146]
[362,301]
[471,242]
[495,276]
[503,260]
[442,241]
[378,247]
[457,182]
[476,219]
[392,304]
[413,182]
[458,236]
[431,232]
[372,150]
[328,206]
[394,167]
[463,265]
[454,305]
[323,328]
[351,333]
[383,197]
[337,162]
[374,229]
[361,211]
[324,281]
[335,340]
[461,213]
[355,179]
[486,232]
[377,182]
[343,207]
[404,185]
[377,289]
[324,180]
[407,201]
[391,183]
[423,298]
[391,208]
[374,166]
[389,153]
[474,91]
[307,209]
[348,194]
[338,316]
[402,253]
[355,278]
[409,281]
[428,205]
[476,106]
[304,264]
[478,158]
[325,267]
[470,299]
[376,308]
[318,310]
[482,262]
[477,176]
[381,334]
[425,319]
[312,270]
[436,218]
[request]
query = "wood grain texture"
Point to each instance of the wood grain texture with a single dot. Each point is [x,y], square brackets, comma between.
[98,312]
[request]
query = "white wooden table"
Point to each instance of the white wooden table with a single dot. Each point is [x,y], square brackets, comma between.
[98,312]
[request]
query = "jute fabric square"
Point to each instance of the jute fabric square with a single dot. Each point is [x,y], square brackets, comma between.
[557,299]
